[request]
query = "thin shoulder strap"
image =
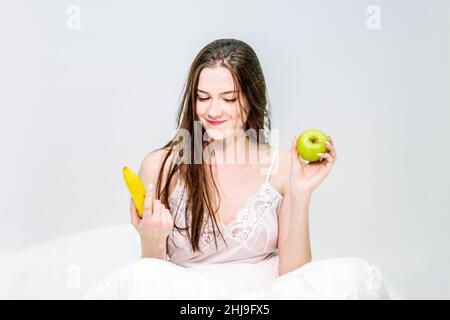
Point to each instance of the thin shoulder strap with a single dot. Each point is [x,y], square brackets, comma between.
[272,163]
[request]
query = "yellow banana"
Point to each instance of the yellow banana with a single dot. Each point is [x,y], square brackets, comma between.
[136,188]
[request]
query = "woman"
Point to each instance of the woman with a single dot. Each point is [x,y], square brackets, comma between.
[231,228]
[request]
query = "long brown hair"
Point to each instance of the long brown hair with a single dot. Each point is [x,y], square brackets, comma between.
[240,59]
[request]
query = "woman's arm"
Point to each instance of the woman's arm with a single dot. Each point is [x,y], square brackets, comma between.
[294,249]
[293,242]
[148,172]
[155,251]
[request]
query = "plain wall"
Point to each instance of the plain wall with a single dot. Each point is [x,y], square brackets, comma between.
[79,104]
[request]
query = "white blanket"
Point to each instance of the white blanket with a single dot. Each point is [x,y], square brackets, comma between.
[338,278]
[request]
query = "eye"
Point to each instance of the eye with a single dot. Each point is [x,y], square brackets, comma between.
[230,100]
[202,99]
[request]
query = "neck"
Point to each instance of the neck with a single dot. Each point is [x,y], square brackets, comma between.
[232,150]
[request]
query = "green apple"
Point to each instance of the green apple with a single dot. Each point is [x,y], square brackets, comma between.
[310,143]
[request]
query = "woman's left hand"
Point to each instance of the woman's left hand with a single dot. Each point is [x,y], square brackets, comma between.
[306,177]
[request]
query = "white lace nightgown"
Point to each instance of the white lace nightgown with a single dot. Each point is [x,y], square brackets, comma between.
[245,269]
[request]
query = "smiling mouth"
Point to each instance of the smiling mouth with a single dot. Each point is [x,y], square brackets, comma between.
[215,123]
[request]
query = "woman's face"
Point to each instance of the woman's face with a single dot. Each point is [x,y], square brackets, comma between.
[217,102]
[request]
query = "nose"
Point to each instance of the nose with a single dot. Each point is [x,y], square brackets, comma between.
[215,109]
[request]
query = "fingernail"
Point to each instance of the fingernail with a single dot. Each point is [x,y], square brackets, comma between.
[150,186]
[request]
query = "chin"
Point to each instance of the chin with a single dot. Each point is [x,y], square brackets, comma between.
[216,135]
[219,134]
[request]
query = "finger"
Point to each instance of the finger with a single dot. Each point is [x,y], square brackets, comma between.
[329,139]
[167,215]
[331,149]
[295,157]
[134,214]
[157,207]
[326,156]
[148,202]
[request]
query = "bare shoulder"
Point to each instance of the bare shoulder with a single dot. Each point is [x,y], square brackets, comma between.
[280,171]
[151,166]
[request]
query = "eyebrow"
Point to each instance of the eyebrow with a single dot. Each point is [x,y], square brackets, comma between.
[226,92]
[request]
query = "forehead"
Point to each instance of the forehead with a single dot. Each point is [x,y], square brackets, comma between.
[215,80]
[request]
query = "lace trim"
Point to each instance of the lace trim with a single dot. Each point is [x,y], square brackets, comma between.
[247,219]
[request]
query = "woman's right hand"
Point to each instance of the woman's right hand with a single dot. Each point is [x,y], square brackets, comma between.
[156,222]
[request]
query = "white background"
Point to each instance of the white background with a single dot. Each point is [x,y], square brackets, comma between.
[78,105]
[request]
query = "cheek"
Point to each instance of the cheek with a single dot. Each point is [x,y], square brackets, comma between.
[200,109]
[237,116]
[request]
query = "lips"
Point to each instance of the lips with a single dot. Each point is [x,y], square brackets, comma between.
[215,123]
